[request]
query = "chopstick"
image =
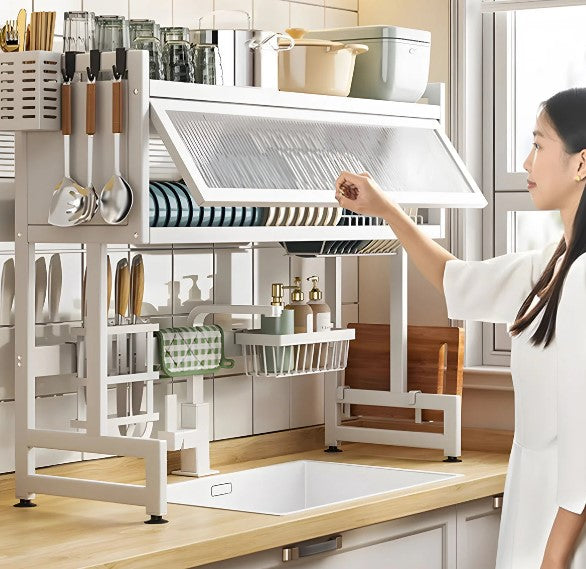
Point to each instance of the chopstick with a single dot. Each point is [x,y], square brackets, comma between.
[42,30]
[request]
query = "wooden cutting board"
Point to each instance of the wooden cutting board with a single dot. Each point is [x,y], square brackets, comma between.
[435,362]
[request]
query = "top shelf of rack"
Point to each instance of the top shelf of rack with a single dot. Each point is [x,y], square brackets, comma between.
[270,98]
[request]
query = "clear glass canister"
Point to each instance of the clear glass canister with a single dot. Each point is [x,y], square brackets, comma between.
[177,55]
[79,31]
[146,34]
[113,32]
[207,64]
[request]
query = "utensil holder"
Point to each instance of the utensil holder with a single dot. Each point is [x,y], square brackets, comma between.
[268,355]
[143,369]
[29,91]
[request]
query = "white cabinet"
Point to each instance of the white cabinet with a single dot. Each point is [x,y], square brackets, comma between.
[456,537]
[424,540]
[478,524]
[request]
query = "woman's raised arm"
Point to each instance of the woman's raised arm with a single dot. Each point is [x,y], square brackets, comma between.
[360,193]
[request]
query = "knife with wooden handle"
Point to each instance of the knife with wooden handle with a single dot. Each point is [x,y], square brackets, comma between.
[121,294]
[137,278]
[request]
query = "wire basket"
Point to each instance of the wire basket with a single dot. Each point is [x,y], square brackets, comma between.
[268,355]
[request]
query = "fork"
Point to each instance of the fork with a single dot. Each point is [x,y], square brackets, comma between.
[8,37]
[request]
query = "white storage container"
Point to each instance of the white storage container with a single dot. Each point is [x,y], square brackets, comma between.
[396,66]
[30,90]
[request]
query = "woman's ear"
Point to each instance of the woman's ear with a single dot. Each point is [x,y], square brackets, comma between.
[582,164]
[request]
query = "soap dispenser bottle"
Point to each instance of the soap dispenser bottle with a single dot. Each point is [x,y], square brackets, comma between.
[303,319]
[278,359]
[322,315]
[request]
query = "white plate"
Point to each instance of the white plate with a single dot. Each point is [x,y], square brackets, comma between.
[337,216]
[279,216]
[311,216]
[308,214]
[319,216]
[272,214]
[289,216]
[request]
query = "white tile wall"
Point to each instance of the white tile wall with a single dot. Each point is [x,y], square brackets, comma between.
[340,18]
[232,406]
[239,406]
[307,16]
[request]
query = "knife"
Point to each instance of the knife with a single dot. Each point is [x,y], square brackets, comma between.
[54,287]
[7,290]
[136,296]
[40,287]
[121,293]
[21,29]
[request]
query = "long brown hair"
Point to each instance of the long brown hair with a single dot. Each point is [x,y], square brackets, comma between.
[565,112]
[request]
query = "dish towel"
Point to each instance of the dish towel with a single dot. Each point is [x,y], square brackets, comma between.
[191,350]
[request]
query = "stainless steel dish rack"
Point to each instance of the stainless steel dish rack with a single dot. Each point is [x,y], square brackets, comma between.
[292,134]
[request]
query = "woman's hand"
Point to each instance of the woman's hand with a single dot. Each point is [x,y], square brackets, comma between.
[360,193]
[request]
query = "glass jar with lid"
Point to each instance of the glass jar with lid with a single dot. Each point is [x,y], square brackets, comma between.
[79,29]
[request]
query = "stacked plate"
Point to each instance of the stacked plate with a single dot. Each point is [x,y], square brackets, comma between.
[306,216]
[171,205]
[320,248]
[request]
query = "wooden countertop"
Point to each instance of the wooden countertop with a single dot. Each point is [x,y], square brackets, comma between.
[65,533]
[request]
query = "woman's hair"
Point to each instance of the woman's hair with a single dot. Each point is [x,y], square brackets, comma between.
[565,113]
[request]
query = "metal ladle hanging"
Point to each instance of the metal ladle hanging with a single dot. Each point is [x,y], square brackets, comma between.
[116,196]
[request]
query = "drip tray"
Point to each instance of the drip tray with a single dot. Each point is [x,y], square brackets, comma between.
[298,486]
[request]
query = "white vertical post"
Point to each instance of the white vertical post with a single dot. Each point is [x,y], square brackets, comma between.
[96,341]
[333,288]
[398,320]
[24,310]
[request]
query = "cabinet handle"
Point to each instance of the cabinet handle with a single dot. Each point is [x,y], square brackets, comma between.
[497,502]
[306,549]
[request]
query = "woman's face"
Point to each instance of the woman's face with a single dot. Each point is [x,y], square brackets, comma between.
[551,180]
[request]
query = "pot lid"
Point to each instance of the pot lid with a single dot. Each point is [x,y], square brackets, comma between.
[371,32]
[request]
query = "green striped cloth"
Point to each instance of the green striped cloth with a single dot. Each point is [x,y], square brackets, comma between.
[191,350]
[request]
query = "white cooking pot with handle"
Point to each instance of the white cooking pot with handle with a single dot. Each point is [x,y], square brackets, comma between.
[318,66]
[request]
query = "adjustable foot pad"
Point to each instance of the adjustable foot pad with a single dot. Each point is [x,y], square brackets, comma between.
[452,459]
[25,503]
[333,449]
[157,520]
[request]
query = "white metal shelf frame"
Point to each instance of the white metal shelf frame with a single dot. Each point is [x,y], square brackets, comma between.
[39,160]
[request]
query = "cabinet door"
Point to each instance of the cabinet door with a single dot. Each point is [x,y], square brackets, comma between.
[426,540]
[478,524]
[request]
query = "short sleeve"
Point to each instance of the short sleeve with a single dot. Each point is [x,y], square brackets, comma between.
[570,339]
[494,289]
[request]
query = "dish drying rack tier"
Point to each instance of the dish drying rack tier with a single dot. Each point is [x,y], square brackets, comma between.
[167,112]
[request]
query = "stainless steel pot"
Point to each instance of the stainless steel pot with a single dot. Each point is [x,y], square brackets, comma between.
[248,58]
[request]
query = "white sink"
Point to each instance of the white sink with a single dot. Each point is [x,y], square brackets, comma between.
[297,486]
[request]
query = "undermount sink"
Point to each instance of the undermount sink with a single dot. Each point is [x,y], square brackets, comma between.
[297,486]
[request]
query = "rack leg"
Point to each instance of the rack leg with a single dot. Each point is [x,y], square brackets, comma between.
[24,354]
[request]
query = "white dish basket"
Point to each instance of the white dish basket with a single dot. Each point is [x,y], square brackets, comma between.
[268,355]
[30,97]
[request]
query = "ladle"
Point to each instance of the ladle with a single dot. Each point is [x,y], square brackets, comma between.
[116,195]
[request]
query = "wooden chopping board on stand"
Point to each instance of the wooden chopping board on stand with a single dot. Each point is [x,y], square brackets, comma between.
[435,364]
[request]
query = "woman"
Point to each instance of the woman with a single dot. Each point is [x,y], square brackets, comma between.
[543,294]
